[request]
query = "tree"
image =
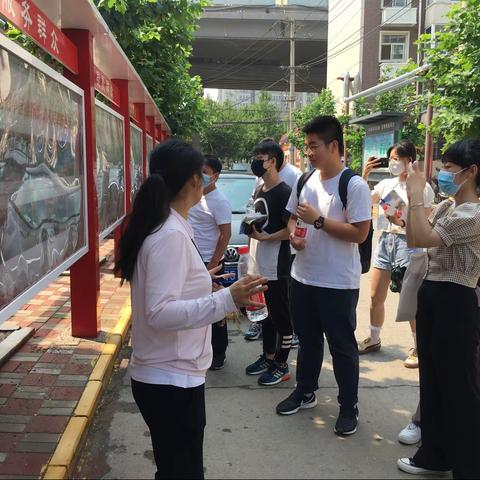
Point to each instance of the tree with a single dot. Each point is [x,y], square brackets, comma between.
[156,37]
[454,59]
[324,104]
[232,133]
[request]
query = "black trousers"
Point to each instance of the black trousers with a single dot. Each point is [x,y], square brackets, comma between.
[176,419]
[219,331]
[277,327]
[448,333]
[330,312]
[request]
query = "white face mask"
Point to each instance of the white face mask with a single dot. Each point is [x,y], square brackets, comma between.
[396,168]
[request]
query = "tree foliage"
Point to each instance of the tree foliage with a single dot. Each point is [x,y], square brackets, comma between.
[156,37]
[454,59]
[232,132]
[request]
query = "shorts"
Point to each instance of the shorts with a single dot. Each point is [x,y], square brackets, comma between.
[392,251]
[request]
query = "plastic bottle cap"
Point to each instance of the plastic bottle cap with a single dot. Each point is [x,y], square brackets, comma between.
[243,250]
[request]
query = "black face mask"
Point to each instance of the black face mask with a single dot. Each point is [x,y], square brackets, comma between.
[257,167]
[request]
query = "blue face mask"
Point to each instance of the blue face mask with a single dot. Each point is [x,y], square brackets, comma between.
[206,180]
[446,183]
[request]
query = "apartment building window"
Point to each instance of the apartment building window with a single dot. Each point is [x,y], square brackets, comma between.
[393,47]
[394,3]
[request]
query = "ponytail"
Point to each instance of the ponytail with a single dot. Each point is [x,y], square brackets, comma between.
[171,164]
[150,210]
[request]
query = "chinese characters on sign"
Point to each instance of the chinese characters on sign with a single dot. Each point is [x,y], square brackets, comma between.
[105,86]
[26,16]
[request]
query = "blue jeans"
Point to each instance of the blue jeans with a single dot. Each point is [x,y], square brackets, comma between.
[392,251]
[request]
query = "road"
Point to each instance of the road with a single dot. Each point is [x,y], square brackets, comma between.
[245,438]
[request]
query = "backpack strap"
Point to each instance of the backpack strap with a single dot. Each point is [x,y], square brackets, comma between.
[345,178]
[303,180]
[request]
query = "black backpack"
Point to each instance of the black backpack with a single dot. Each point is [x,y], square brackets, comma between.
[364,248]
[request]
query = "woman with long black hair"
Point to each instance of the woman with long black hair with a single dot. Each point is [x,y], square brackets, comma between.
[448,323]
[173,308]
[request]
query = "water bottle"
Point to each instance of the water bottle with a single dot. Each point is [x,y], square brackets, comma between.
[301,228]
[254,314]
[250,208]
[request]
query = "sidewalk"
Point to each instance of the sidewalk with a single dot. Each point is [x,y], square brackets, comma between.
[50,387]
[245,438]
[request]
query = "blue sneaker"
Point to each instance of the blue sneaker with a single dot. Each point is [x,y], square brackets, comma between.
[276,374]
[260,366]
[254,331]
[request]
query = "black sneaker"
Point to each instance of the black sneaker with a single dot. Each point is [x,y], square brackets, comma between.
[260,366]
[295,402]
[218,363]
[347,421]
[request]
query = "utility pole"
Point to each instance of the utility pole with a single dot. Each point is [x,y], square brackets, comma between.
[292,99]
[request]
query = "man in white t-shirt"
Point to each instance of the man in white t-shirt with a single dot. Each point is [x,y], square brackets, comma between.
[326,272]
[211,220]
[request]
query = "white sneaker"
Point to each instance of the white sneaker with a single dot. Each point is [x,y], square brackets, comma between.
[410,435]
[407,465]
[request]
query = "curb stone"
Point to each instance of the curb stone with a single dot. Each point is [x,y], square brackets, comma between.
[62,462]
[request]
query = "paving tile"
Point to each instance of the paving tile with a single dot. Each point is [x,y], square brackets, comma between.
[47,424]
[7,390]
[23,463]
[65,393]
[40,437]
[12,427]
[39,379]
[59,403]
[15,418]
[21,406]
[55,411]
[48,370]
[9,440]
[9,366]
[32,447]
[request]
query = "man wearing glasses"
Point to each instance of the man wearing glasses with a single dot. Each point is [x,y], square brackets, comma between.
[326,272]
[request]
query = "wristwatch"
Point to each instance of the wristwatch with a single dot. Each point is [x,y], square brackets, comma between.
[318,223]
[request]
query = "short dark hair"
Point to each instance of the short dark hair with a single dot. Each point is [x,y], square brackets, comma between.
[328,128]
[214,163]
[272,149]
[464,153]
[404,148]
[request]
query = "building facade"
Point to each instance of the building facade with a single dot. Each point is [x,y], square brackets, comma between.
[369,38]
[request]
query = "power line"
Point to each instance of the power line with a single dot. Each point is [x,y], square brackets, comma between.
[252,44]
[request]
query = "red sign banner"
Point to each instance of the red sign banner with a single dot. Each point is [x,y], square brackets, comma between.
[106,87]
[27,17]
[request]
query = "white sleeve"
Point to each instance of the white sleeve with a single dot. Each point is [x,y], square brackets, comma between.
[293,201]
[167,266]
[359,201]
[379,188]
[223,212]
[428,196]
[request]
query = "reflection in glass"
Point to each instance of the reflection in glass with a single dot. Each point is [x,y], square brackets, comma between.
[110,169]
[136,160]
[41,175]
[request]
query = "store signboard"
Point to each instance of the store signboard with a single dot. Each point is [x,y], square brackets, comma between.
[43,228]
[110,169]
[136,159]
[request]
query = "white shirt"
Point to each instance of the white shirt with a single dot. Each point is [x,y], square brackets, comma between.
[383,188]
[172,308]
[205,217]
[288,173]
[327,261]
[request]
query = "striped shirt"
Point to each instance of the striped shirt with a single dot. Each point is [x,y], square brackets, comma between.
[458,260]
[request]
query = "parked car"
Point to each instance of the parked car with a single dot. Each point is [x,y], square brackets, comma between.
[237,188]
